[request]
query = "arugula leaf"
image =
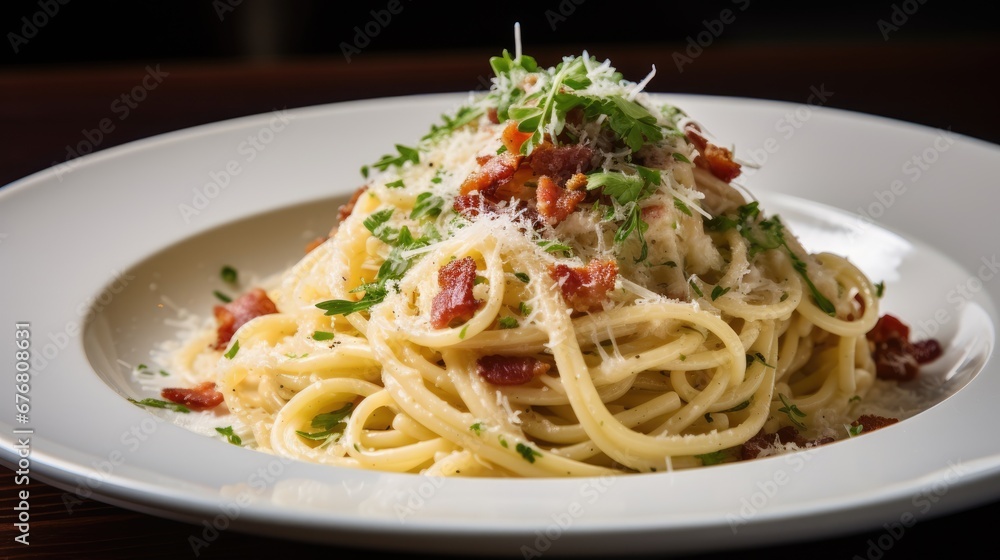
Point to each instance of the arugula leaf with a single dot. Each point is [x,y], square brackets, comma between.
[405,154]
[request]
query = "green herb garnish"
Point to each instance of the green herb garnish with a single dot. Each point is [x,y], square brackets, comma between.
[508,323]
[230,435]
[228,274]
[233,350]
[157,403]
[528,453]
[330,424]
[792,411]
[222,297]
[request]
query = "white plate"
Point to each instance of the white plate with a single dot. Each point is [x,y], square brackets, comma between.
[84,244]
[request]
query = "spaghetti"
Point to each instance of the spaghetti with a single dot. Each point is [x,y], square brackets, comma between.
[561,279]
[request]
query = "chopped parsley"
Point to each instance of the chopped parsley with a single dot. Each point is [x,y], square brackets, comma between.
[524,308]
[695,288]
[477,428]
[767,234]
[461,333]
[718,292]
[792,411]
[854,399]
[157,403]
[739,407]
[228,274]
[230,435]
[330,424]
[322,335]
[523,277]
[394,267]
[680,157]
[855,430]
[233,350]
[428,206]
[554,246]
[528,453]
[714,458]
[680,205]
[508,323]
[222,297]
[397,184]
[751,358]
[880,289]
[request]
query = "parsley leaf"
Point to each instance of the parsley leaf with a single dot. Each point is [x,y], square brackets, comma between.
[228,274]
[528,453]
[322,335]
[330,424]
[232,351]
[792,411]
[508,323]
[230,435]
[157,403]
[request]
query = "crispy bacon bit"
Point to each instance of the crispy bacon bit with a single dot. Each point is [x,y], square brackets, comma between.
[315,243]
[346,209]
[556,203]
[560,162]
[870,422]
[896,358]
[577,182]
[488,177]
[513,138]
[753,447]
[235,314]
[586,288]
[718,161]
[199,397]
[510,370]
[455,303]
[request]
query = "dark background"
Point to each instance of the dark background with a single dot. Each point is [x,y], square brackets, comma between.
[933,63]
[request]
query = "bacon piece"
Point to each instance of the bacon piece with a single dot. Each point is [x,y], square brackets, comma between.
[560,162]
[585,288]
[556,203]
[233,315]
[455,302]
[315,243]
[491,113]
[513,138]
[871,422]
[345,210]
[896,358]
[488,177]
[199,397]
[510,370]
[717,160]
[753,447]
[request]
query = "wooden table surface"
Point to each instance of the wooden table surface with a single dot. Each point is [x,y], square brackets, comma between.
[46,115]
